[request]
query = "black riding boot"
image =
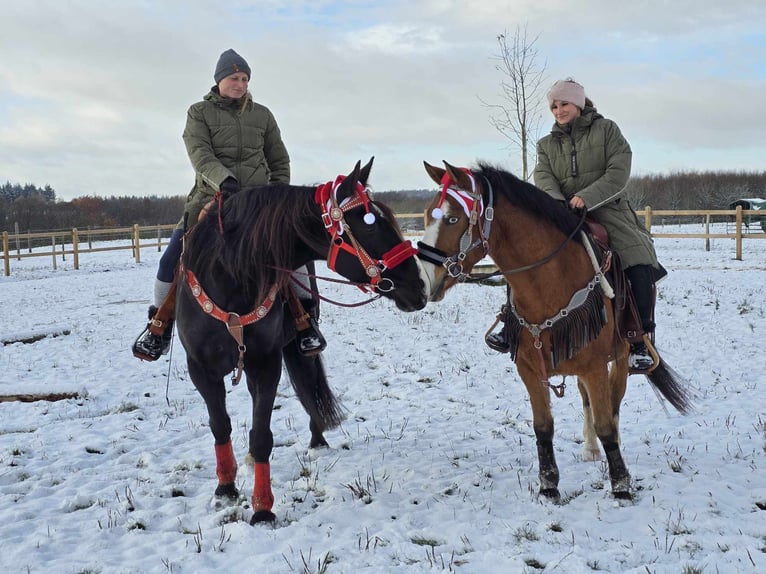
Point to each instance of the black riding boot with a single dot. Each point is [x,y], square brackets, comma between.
[310,340]
[150,346]
[642,285]
[498,340]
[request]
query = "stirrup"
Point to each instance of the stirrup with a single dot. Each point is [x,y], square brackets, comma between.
[498,341]
[642,358]
[148,346]
[310,341]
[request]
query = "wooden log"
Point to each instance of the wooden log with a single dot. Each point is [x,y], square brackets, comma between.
[31,398]
[34,337]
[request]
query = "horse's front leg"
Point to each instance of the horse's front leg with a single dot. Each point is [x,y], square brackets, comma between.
[262,384]
[542,422]
[213,391]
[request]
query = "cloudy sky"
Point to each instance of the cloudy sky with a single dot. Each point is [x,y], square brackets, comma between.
[93,94]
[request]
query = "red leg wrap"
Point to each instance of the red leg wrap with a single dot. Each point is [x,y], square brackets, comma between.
[226,464]
[263,499]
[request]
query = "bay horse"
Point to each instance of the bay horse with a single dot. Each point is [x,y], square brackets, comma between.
[231,314]
[563,321]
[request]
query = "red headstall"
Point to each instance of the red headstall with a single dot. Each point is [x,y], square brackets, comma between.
[464,198]
[333,217]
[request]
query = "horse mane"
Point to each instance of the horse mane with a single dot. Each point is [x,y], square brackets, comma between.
[262,226]
[530,198]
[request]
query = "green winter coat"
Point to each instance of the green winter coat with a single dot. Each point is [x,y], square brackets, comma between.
[602,157]
[223,141]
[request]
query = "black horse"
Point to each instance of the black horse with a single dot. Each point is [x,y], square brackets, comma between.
[231,313]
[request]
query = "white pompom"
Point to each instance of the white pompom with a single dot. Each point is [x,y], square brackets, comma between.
[369,218]
[437,213]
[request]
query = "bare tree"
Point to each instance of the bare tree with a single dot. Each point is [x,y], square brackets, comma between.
[637,192]
[519,116]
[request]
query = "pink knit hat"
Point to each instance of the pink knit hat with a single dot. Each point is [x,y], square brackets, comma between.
[567,91]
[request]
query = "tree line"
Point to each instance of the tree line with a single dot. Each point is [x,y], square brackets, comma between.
[30,208]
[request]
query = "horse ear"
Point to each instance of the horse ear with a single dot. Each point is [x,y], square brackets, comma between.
[458,176]
[436,173]
[348,186]
[364,175]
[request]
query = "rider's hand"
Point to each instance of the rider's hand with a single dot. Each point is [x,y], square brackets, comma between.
[229,186]
[576,203]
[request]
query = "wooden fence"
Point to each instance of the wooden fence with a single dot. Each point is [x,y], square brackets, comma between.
[75,242]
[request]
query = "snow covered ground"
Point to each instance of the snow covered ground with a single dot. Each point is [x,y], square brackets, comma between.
[435,468]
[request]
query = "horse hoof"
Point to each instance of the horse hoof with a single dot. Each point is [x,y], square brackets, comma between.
[228,490]
[551,493]
[262,516]
[318,443]
[623,495]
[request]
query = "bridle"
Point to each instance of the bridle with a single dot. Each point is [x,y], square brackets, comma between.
[472,203]
[342,238]
[453,264]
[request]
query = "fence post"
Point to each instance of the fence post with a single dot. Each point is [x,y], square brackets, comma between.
[53,250]
[75,248]
[136,242]
[738,232]
[648,218]
[6,254]
[159,239]
[18,241]
[707,232]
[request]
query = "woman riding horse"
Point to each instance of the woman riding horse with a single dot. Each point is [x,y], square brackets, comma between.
[232,142]
[585,161]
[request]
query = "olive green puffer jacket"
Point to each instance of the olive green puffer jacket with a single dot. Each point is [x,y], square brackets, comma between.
[224,141]
[590,158]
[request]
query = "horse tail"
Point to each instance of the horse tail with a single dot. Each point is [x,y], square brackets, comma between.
[308,378]
[667,382]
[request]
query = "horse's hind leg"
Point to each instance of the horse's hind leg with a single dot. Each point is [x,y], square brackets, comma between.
[542,421]
[591,450]
[214,394]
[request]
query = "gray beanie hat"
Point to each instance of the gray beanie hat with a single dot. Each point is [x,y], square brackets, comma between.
[230,63]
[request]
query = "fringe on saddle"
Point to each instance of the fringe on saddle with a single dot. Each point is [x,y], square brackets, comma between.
[572,330]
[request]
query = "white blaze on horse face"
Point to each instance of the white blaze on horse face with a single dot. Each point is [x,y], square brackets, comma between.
[430,237]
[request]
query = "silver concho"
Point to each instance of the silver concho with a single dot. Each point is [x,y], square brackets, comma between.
[196,290]
[373,271]
[207,306]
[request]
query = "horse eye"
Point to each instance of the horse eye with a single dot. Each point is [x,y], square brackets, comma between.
[453,220]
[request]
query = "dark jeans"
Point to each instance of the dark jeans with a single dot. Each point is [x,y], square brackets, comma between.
[170,258]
